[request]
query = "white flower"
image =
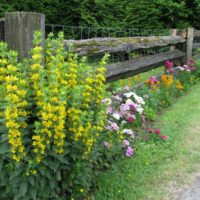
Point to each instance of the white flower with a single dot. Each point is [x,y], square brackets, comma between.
[139,110]
[181,68]
[129,132]
[123,122]
[129,101]
[129,94]
[116,116]
[139,99]
[107,101]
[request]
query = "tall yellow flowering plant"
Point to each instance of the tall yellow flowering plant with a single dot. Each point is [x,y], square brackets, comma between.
[51,121]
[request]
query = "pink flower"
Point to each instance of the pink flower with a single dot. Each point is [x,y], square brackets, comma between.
[129,152]
[124,107]
[125,143]
[143,119]
[153,79]
[129,132]
[132,107]
[168,64]
[131,118]
[171,71]
[118,98]
[164,137]
[109,110]
[192,69]
[157,131]
[114,126]
[191,62]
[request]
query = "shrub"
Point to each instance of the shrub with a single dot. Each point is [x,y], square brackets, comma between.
[51,122]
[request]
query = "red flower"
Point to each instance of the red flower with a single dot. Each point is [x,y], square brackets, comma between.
[164,137]
[131,119]
[157,131]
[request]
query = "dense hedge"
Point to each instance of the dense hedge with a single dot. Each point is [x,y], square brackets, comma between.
[113,13]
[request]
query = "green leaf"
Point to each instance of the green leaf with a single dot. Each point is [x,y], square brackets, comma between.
[4,148]
[31,180]
[33,193]
[23,188]
[52,183]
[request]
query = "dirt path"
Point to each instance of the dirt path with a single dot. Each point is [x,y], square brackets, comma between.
[193,192]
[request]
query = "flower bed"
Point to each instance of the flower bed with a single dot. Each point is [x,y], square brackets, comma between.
[59,131]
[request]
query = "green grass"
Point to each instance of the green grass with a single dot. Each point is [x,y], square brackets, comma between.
[158,168]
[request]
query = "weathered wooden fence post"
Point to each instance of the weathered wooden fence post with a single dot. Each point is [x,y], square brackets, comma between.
[19,30]
[189,43]
[2,31]
[182,47]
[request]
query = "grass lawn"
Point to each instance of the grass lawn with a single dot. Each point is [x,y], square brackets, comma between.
[157,169]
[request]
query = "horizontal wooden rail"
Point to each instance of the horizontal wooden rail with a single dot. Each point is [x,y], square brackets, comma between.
[135,66]
[195,46]
[102,45]
[197,33]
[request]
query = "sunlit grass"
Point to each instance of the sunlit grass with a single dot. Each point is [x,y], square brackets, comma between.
[156,169]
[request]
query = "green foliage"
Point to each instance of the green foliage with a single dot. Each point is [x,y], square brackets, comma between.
[113,13]
[51,123]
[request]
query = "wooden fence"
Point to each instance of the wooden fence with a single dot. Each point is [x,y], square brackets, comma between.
[17,30]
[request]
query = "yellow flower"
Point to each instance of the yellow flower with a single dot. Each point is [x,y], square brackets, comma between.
[179,86]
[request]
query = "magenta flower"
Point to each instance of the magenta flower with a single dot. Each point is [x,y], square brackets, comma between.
[132,107]
[125,143]
[129,152]
[131,118]
[168,64]
[164,137]
[157,131]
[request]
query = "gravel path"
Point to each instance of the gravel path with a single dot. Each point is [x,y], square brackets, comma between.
[192,193]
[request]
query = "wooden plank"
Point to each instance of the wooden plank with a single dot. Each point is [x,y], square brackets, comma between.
[189,43]
[135,66]
[19,30]
[195,46]
[102,45]
[196,33]
[2,30]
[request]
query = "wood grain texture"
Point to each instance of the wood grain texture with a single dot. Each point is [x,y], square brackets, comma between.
[102,45]
[135,66]
[19,30]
